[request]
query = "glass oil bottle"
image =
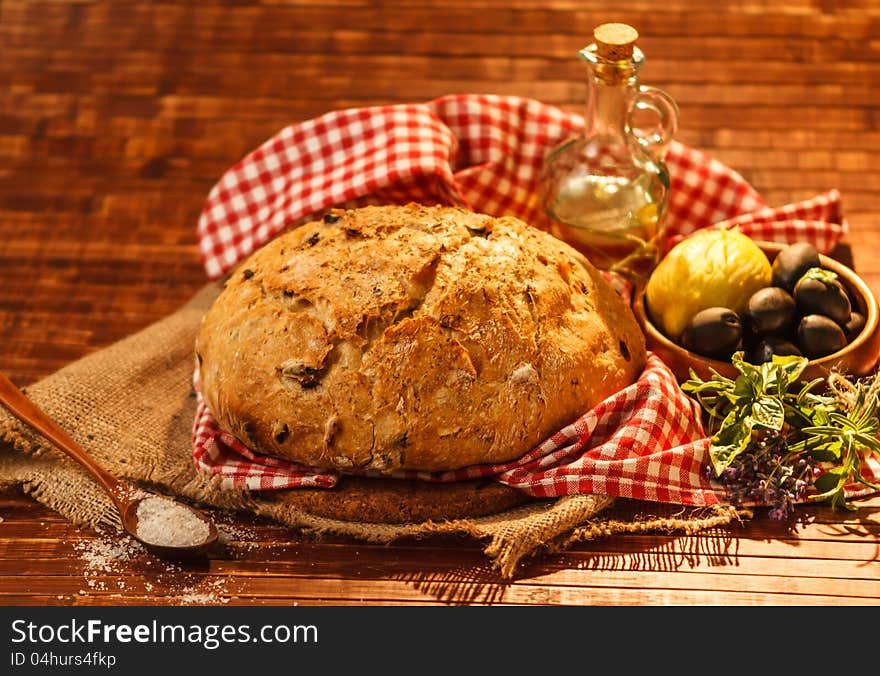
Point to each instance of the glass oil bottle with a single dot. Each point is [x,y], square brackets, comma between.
[606,191]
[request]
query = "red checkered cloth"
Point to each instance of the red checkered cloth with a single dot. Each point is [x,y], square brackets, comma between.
[485,153]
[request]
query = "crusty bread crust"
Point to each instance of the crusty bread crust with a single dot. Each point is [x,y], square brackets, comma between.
[412,337]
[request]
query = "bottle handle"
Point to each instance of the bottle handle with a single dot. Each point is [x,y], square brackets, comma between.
[663,105]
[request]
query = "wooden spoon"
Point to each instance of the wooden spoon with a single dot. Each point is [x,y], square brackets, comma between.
[126,500]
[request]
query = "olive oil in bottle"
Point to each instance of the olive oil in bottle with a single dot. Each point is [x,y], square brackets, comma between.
[605,191]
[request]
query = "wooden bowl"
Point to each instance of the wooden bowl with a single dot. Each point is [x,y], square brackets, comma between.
[859,358]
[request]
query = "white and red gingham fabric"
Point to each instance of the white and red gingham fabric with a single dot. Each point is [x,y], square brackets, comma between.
[485,152]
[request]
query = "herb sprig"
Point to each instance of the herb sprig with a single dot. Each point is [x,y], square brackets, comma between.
[776,439]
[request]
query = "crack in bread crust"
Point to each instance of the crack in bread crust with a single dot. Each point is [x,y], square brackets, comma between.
[472,338]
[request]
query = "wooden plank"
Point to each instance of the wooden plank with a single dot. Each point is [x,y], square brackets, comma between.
[250,30]
[824,542]
[662,565]
[139,73]
[524,20]
[120,599]
[426,590]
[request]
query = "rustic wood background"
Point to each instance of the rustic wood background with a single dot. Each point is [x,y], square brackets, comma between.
[116,118]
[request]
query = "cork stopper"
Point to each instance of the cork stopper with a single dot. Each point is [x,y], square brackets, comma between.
[615,41]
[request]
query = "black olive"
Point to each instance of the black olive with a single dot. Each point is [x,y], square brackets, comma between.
[792,262]
[770,310]
[715,332]
[819,293]
[855,325]
[818,336]
[771,345]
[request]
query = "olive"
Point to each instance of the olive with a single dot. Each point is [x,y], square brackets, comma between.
[818,336]
[819,293]
[770,310]
[855,325]
[792,262]
[771,345]
[714,332]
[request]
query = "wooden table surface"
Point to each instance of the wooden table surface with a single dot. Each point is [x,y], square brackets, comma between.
[117,118]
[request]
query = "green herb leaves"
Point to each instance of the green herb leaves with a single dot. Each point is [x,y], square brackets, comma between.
[821,275]
[768,407]
[755,400]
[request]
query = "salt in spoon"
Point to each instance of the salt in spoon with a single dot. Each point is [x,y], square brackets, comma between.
[126,500]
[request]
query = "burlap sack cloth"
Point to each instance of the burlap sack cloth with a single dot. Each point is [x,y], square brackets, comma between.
[131,405]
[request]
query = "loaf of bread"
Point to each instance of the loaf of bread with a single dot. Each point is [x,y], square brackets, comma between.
[412,337]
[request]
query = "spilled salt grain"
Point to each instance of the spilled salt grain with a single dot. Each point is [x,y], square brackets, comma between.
[110,566]
[200,599]
[103,555]
[167,523]
[237,537]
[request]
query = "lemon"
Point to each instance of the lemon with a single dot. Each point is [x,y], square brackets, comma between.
[711,268]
